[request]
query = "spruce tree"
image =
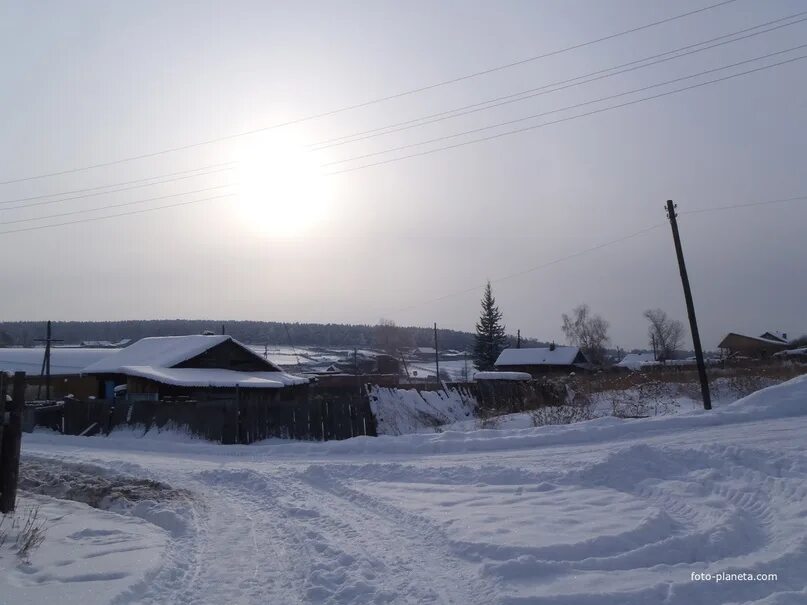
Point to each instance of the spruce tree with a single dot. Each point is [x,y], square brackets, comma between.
[490,338]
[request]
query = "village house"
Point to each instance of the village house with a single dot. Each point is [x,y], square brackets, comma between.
[757,347]
[542,361]
[200,367]
[66,364]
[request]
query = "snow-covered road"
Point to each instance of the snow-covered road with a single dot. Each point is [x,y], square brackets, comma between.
[604,512]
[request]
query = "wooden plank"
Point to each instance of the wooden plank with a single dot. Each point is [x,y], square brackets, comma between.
[12,440]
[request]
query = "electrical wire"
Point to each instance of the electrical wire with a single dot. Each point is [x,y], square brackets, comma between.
[77,197]
[595,248]
[560,85]
[110,206]
[130,213]
[543,124]
[370,102]
[150,178]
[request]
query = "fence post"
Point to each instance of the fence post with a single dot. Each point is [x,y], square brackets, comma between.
[10,457]
[2,412]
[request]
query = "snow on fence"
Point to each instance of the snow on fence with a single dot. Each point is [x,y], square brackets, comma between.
[403,411]
[321,416]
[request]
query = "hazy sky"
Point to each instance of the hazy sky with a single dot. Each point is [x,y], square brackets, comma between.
[89,82]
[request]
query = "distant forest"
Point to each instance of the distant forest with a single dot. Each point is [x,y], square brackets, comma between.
[25,333]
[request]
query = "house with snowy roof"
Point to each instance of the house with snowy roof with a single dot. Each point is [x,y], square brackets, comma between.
[758,347]
[774,335]
[540,361]
[197,366]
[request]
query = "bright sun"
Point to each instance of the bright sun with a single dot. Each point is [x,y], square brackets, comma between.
[281,189]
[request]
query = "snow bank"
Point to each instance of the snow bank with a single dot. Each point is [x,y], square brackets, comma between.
[89,556]
[403,411]
[517,376]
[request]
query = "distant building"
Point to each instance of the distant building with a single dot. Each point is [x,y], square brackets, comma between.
[196,366]
[66,364]
[542,361]
[635,361]
[757,347]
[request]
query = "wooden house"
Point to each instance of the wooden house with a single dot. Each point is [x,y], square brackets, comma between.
[757,347]
[200,367]
[542,361]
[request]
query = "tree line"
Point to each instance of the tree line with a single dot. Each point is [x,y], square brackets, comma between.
[383,336]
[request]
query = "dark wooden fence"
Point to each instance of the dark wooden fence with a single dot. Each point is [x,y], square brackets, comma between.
[321,416]
[10,439]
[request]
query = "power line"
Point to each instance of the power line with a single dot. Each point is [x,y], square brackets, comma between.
[561,85]
[594,249]
[748,205]
[110,206]
[150,178]
[78,197]
[373,101]
[532,269]
[566,108]
[130,213]
[567,119]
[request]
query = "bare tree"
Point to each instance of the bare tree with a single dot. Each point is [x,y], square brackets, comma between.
[587,331]
[388,336]
[665,334]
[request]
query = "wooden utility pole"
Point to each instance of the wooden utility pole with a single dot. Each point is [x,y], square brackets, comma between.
[436,353]
[518,339]
[693,323]
[10,454]
[46,362]
[356,369]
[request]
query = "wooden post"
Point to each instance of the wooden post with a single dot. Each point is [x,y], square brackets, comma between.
[693,323]
[518,339]
[12,440]
[2,412]
[436,354]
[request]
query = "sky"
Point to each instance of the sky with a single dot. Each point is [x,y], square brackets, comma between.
[293,235]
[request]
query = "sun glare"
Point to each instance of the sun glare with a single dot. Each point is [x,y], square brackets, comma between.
[281,189]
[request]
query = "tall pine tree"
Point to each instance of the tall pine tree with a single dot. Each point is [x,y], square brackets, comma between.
[490,338]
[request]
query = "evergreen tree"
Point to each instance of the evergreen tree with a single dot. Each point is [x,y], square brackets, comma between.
[490,338]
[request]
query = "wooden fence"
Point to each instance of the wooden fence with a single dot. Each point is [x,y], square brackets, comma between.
[10,439]
[321,417]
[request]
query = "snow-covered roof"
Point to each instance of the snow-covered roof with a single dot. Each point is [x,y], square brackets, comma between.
[775,335]
[216,378]
[502,376]
[634,361]
[734,337]
[800,352]
[63,360]
[162,352]
[557,356]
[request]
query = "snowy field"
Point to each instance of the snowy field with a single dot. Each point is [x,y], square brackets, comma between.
[607,512]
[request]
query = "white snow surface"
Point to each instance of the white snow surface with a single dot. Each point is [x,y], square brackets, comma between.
[160,351]
[634,361]
[559,356]
[403,411]
[517,376]
[89,556]
[605,512]
[214,377]
[63,360]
